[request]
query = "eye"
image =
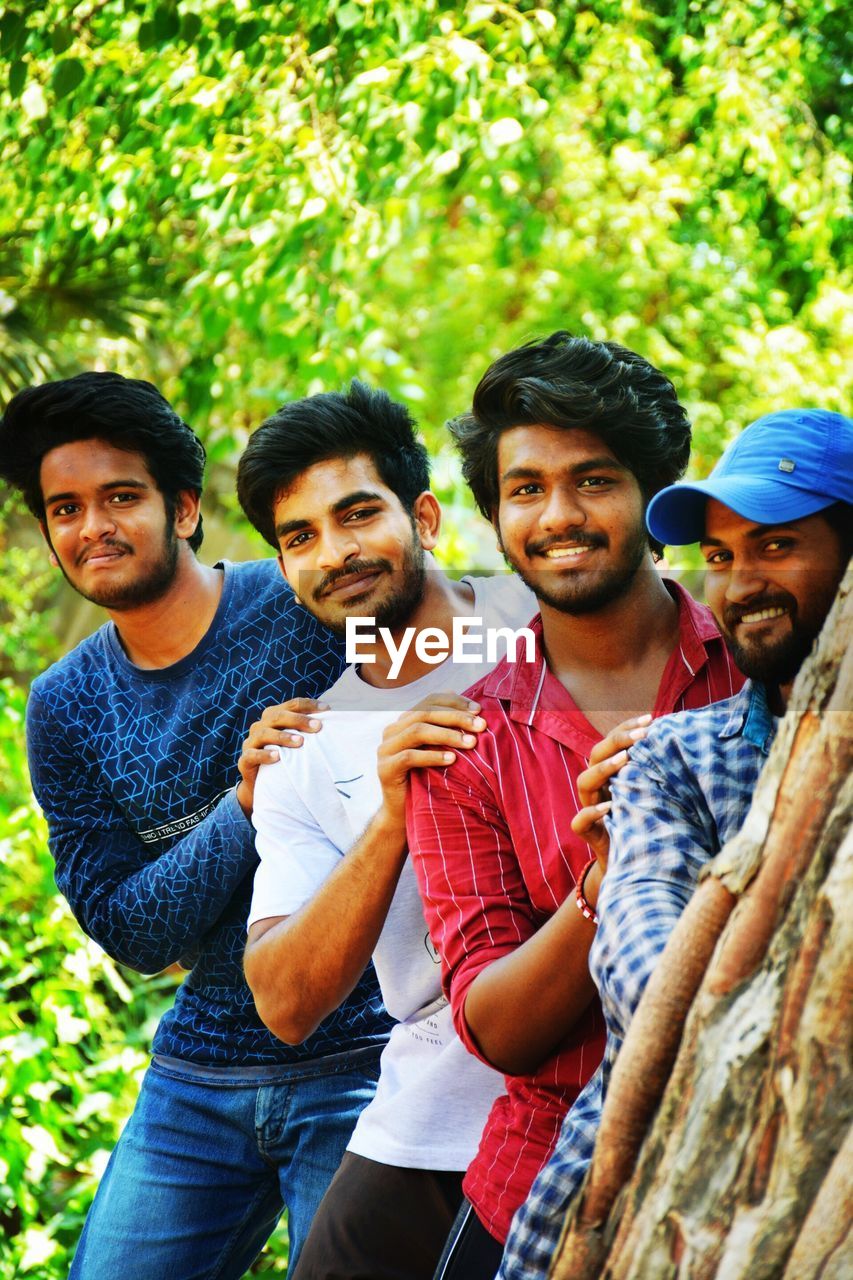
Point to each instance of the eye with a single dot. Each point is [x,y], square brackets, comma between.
[779,544]
[526,490]
[120,499]
[718,558]
[361,513]
[67,509]
[595,482]
[298,539]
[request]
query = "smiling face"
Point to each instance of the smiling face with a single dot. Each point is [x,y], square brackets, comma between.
[107,525]
[570,517]
[770,588]
[349,548]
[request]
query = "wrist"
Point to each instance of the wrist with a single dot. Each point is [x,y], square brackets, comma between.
[244,798]
[592,883]
[389,825]
[590,876]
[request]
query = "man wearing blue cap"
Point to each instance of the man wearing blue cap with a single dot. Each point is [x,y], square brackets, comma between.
[775,524]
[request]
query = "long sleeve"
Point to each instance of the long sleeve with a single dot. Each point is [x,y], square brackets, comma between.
[475,900]
[661,835]
[146,910]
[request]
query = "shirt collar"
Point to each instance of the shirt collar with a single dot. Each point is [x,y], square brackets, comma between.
[750,717]
[532,691]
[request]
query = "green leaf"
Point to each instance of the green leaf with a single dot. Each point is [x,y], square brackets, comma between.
[246,34]
[60,38]
[146,37]
[167,23]
[190,27]
[13,32]
[348,16]
[68,75]
[17,78]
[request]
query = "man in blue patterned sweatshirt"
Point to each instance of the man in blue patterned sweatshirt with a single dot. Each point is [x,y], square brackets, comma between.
[133,741]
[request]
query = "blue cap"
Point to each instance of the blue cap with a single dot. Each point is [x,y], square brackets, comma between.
[784,466]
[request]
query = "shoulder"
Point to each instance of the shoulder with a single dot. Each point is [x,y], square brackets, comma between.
[503,599]
[300,787]
[263,610]
[254,584]
[685,740]
[84,669]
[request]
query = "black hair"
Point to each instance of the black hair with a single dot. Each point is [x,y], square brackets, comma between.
[330,425]
[569,382]
[124,412]
[839,517]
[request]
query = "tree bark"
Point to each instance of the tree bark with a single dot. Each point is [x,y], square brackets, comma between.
[746,1169]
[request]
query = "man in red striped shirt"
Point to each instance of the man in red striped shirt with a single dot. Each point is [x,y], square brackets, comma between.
[567,442]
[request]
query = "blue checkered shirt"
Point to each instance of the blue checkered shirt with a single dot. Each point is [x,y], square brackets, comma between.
[685,790]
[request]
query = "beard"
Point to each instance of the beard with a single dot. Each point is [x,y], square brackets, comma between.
[770,662]
[121,596]
[582,591]
[393,611]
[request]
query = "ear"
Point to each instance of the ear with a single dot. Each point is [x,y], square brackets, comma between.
[427,516]
[187,511]
[51,554]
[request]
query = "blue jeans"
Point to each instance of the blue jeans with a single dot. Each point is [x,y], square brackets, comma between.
[208,1159]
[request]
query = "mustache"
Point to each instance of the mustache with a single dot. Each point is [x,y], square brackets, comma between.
[351,570]
[735,613]
[105,542]
[577,539]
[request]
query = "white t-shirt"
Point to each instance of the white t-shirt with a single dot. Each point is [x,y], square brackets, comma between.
[311,806]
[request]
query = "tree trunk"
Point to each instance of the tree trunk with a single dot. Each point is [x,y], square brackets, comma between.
[746,1170]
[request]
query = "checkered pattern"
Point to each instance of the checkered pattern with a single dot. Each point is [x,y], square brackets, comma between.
[685,791]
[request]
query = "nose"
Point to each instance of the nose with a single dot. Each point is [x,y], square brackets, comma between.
[97,522]
[337,546]
[744,582]
[561,511]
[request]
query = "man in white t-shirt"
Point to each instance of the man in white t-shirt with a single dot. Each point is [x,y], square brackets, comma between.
[338,483]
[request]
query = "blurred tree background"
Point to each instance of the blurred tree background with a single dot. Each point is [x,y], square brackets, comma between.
[251,202]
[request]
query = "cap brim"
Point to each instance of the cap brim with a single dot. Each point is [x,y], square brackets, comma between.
[676,515]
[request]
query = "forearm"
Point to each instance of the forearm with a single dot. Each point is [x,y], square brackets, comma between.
[521,1008]
[303,966]
[148,916]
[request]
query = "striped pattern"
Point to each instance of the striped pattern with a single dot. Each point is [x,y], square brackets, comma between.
[685,791]
[492,844]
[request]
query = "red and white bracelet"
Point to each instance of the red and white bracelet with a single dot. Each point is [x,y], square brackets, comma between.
[583,906]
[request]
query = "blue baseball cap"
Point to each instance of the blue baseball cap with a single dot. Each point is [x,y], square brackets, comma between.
[782,467]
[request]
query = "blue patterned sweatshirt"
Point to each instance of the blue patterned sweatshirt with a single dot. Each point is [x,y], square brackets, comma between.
[135,771]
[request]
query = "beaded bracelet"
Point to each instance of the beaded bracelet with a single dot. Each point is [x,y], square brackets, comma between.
[583,906]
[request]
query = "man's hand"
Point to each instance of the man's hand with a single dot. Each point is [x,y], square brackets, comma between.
[430,734]
[605,760]
[281,726]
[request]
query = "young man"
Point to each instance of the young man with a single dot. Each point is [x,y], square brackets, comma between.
[133,744]
[567,441]
[339,484]
[775,524]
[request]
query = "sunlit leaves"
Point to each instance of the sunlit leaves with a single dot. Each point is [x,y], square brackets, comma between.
[71,1039]
[68,75]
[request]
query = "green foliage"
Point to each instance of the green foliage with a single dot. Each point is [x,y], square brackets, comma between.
[73,1033]
[269,200]
[75,1027]
[252,202]
[26,583]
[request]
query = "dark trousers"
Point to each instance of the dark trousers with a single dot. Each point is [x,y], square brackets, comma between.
[470,1253]
[378,1222]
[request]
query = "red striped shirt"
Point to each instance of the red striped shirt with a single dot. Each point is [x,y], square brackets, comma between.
[492,844]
